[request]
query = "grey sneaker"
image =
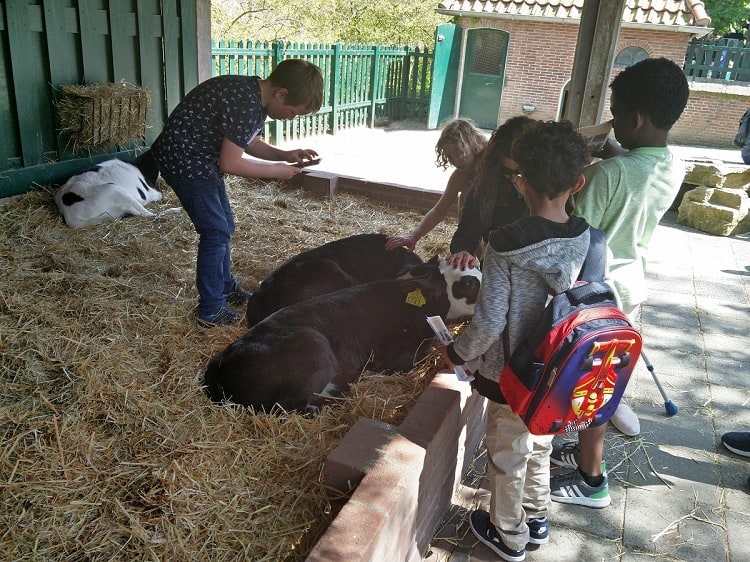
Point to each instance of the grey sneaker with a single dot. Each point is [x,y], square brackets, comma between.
[566,454]
[572,488]
[626,420]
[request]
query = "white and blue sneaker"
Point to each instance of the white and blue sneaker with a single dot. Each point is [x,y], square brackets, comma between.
[538,530]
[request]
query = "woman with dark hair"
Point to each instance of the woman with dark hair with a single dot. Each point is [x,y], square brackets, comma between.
[493,199]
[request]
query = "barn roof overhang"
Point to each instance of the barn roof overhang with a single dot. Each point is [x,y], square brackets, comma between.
[697,30]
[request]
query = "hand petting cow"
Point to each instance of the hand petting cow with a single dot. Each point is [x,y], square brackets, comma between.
[339,264]
[110,190]
[323,344]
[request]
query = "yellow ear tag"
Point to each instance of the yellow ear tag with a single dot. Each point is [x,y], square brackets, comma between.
[416,298]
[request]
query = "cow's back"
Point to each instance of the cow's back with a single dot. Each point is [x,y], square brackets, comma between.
[343,263]
[331,338]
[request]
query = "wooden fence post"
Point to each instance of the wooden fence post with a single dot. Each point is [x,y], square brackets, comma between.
[278,125]
[404,93]
[335,75]
[374,75]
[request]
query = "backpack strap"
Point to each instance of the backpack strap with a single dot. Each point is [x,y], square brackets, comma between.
[594,268]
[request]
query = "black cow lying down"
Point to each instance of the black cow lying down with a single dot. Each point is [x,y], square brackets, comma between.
[342,263]
[324,343]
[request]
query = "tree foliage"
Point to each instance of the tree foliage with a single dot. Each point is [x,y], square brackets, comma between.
[397,22]
[728,16]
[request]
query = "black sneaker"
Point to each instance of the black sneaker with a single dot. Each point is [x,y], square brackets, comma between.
[238,296]
[738,442]
[223,317]
[485,531]
[565,454]
[538,530]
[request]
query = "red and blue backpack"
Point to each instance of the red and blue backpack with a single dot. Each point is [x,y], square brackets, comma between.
[570,371]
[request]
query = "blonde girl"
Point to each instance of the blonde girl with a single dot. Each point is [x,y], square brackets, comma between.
[459,145]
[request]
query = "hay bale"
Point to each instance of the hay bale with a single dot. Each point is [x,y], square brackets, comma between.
[110,450]
[102,116]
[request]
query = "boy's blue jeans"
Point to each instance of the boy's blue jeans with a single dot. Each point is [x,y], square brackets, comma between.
[206,203]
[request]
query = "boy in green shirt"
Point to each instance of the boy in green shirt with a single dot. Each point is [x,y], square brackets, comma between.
[626,195]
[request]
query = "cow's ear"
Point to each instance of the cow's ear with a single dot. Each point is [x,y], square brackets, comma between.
[419,270]
[409,285]
[430,285]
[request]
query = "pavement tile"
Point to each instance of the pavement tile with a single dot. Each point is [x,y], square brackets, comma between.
[682,528]
[737,526]
[669,296]
[723,317]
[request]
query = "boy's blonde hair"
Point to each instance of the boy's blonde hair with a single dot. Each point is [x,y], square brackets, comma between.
[302,80]
[464,136]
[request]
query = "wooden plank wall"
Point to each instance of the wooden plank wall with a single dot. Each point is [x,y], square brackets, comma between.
[46,44]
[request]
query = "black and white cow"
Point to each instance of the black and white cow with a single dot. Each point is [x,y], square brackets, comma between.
[339,264]
[110,190]
[324,343]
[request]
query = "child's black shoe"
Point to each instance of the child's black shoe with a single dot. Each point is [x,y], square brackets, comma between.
[485,531]
[238,296]
[223,317]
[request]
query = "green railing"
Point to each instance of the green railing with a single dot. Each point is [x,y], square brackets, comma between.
[719,59]
[363,84]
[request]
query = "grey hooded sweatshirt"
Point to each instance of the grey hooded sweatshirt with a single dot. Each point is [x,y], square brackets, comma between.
[525,262]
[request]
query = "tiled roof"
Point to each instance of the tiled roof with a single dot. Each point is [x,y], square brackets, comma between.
[654,12]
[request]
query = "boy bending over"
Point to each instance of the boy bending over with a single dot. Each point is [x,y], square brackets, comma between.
[207,136]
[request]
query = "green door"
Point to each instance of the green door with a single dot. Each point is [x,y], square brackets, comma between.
[445,62]
[482,83]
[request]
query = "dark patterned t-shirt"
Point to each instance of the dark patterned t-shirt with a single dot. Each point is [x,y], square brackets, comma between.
[226,106]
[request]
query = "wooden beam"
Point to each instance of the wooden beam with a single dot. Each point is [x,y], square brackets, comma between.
[203,40]
[592,63]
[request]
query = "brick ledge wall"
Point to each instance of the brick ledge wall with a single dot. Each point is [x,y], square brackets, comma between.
[403,477]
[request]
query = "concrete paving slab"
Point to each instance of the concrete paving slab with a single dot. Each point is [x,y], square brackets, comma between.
[682,528]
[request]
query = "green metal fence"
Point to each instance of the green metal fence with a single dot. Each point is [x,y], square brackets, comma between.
[363,84]
[718,59]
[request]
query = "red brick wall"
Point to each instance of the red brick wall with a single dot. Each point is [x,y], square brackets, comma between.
[403,477]
[540,60]
[711,117]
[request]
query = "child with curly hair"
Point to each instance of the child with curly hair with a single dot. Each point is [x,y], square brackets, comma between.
[493,200]
[525,261]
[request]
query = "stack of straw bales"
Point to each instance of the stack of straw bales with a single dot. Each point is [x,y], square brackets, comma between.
[102,116]
[110,450]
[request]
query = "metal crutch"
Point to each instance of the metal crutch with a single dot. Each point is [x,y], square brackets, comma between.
[669,406]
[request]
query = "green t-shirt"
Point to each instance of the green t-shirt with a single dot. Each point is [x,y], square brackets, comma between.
[626,196]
